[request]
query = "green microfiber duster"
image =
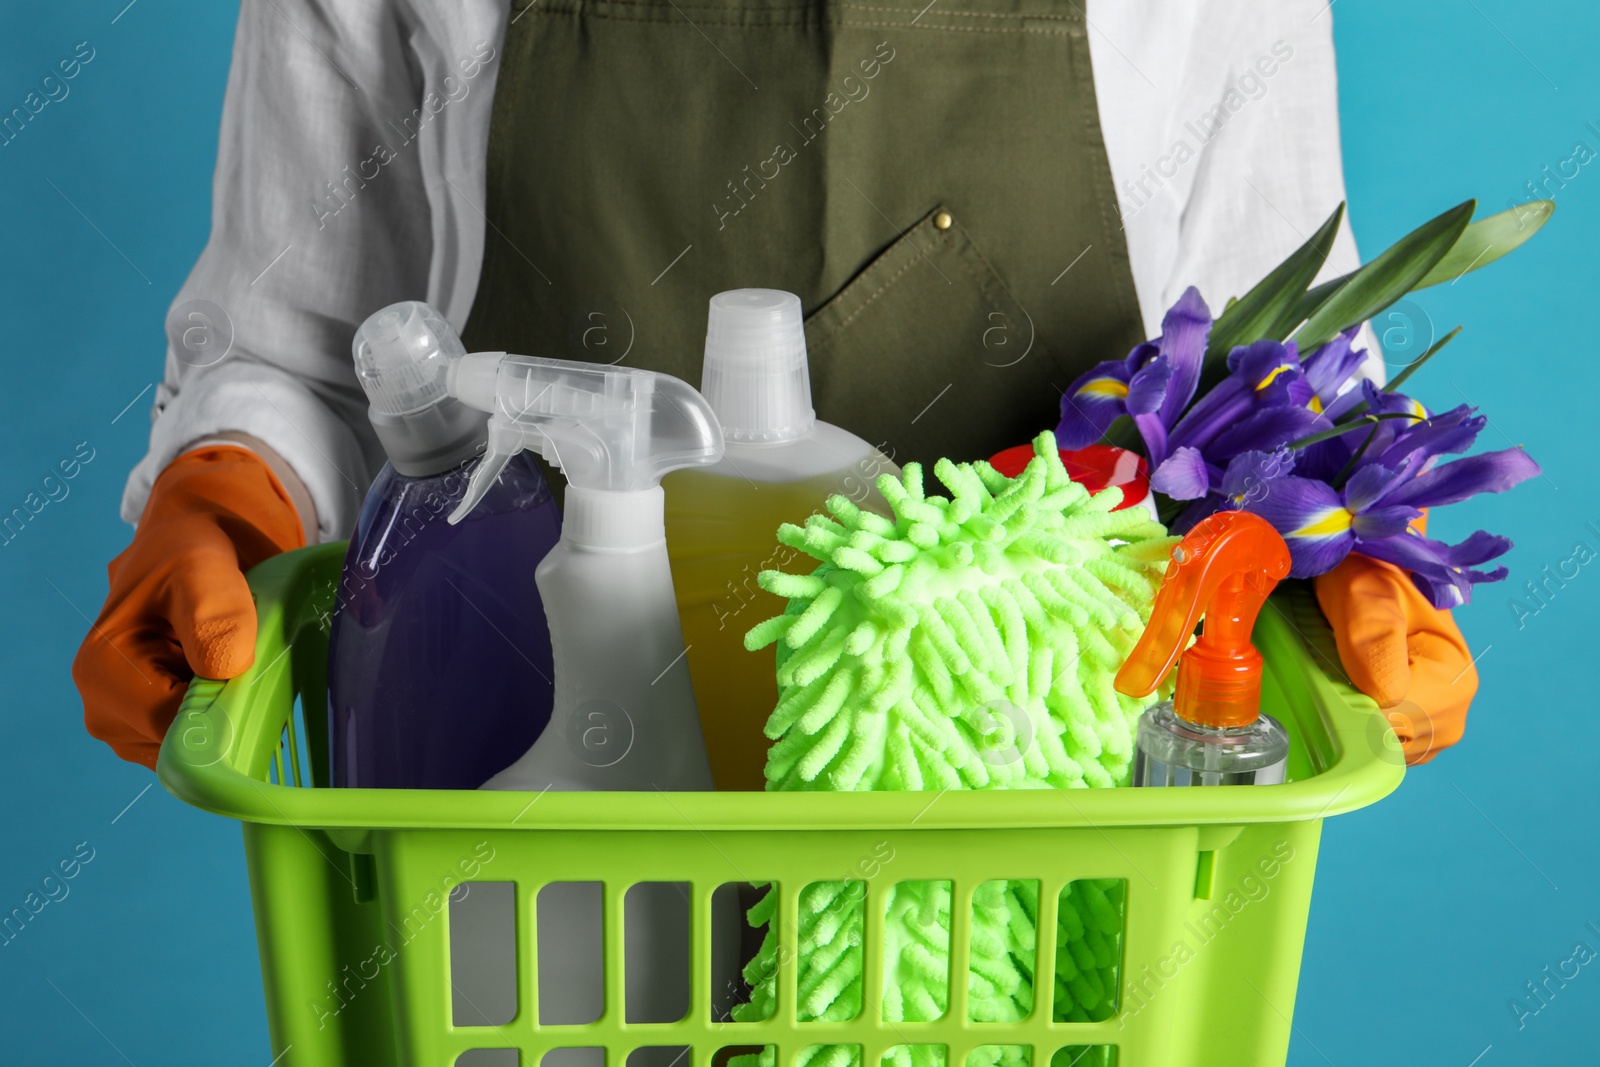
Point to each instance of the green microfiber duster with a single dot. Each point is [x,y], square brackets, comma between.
[966,643]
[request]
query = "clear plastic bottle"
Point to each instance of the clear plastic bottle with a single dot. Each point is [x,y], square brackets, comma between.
[1174,751]
[439,662]
[780,465]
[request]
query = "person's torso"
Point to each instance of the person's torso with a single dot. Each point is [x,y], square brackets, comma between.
[930,179]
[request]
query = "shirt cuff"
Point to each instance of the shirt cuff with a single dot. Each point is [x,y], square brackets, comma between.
[279,410]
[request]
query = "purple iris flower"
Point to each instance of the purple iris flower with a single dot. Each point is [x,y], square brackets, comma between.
[1244,479]
[1328,460]
[1266,401]
[1389,488]
[1231,449]
[1152,385]
[1329,371]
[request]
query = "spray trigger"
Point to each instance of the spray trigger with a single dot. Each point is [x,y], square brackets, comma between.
[1224,569]
[504,443]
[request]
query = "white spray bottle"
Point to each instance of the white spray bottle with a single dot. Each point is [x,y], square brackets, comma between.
[624,715]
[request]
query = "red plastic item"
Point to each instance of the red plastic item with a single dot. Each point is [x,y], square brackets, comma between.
[1095,468]
[1223,570]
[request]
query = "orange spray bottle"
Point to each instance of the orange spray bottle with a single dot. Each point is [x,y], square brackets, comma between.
[1212,731]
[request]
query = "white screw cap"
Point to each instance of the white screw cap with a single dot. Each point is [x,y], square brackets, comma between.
[401,354]
[756,377]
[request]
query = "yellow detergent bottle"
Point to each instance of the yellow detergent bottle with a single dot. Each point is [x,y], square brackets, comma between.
[780,466]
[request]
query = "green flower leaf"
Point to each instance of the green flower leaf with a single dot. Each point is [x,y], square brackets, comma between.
[1367,291]
[1486,240]
[1263,310]
[1480,244]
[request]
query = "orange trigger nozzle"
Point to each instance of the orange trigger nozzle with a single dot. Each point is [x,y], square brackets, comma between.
[1223,569]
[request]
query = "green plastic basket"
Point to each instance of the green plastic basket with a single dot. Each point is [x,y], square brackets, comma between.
[350,886]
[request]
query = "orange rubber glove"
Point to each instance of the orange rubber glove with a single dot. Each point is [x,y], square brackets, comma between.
[178,605]
[1401,651]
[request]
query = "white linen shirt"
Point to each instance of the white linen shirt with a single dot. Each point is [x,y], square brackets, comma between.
[1220,120]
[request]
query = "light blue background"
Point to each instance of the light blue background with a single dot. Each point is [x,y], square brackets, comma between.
[1432,909]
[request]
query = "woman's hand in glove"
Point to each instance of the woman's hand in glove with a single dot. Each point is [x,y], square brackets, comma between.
[1400,650]
[179,605]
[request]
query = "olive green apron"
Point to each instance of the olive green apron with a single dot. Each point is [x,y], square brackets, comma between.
[930,178]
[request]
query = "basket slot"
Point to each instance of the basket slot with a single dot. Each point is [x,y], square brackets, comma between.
[831,916]
[363,877]
[1001,952]
[483,947]
[915,1056]
[660,1056]
[734,943]
[826,1056]
[725,1056]
[1001,1056]
[1205,869]
[287,766]
[572,938]
[1089,949]
[913,907]
[657,915]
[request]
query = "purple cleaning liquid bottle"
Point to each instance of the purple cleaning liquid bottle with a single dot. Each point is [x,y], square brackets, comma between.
[439,663]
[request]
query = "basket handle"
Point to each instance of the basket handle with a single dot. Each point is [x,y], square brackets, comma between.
[218,749]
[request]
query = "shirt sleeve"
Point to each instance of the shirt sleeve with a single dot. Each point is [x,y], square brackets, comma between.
[1236,159]
[331,199]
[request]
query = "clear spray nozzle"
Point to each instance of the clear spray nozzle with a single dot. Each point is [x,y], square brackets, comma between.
[605,428]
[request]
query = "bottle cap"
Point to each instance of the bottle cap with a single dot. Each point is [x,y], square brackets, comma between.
[401,355]
[1223,570]
[755,375]
[1094,467]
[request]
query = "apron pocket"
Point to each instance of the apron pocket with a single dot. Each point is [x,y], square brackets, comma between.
[926,353]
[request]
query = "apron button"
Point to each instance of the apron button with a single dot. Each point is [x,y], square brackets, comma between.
[943,221]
